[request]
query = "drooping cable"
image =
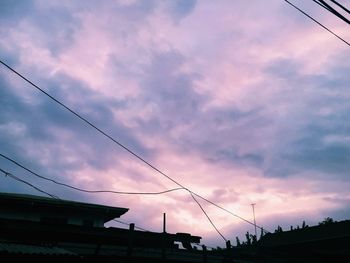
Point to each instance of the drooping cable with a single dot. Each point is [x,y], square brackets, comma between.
[98,191]
[205,213]
[7,174]
[91,124]
[228,211]
[114,140]
[116,192]
[84,190]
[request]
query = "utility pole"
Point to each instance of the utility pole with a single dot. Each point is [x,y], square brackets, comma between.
[254,220]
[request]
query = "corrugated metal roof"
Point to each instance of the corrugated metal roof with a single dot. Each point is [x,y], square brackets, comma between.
[32,249]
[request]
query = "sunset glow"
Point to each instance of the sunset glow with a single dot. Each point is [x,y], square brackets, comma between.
[240,101]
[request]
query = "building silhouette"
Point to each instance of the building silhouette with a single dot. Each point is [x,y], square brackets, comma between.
[46,229]
[323,243]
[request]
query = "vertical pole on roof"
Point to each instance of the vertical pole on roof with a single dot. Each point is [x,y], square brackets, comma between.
[164,222]
[131,239]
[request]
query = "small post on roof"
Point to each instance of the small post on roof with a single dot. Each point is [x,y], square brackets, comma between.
[131,239]
[164,222]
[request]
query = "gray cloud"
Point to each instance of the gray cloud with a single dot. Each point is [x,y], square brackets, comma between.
[11,11]
[322,113]
[181,8]
[170,91]
[53,27]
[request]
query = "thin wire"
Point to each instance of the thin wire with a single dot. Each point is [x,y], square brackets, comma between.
[107,191]
[211,222]
[330,31]
[91,124]
[84,190]
[114,140]
[331,10]
[127,224]
[116,192]
[228,211]
[322,5]
[341,6]
[7,174]
[27,183]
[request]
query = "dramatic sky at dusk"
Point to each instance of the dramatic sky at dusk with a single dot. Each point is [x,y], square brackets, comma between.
[241,101]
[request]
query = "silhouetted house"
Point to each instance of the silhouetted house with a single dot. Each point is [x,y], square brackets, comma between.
[56,211]
[43,229]
[323,243]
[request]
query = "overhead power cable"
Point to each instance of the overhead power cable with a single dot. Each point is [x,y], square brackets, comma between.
[330,9]
[114,140]
[27,183]
[228,211]
[205,213]
[107,191]
[313,19]
[84,190]
[341,6]
[91,124]
[8,174]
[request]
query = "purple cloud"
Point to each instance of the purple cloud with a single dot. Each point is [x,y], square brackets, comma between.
[240,103]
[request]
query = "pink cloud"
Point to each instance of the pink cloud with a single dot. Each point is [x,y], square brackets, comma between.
[246,68]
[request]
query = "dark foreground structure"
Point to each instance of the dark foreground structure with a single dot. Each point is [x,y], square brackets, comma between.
[322,243]
[52,230]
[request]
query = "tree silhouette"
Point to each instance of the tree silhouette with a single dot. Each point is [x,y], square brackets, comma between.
[261,233]
[279,229]
[254,239]
[304,225]
[249,241]
[326,221]
[238,242]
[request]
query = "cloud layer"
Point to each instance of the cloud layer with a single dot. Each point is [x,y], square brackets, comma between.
[242,103]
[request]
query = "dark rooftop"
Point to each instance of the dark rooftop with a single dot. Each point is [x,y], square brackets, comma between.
[39,203]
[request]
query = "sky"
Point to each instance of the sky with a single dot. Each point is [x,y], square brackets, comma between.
[240,101]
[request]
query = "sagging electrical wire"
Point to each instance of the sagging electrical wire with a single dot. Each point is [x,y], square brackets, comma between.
[10,175]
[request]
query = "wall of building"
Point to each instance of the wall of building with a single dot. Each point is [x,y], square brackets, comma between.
[52,218]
